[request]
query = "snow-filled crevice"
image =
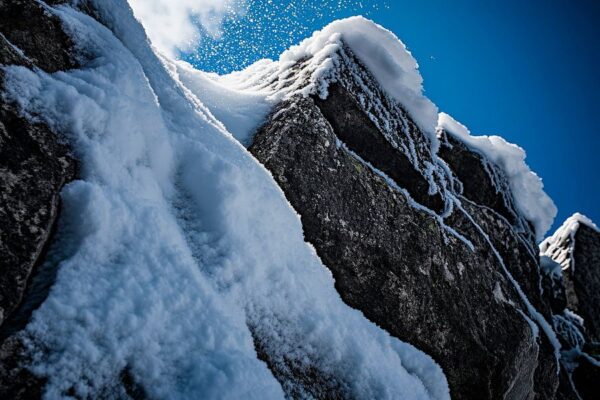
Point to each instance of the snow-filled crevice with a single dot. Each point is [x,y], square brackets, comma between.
[535,314]
[181,240]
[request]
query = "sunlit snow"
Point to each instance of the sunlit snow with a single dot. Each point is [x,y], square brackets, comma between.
[526,186]
[176,241]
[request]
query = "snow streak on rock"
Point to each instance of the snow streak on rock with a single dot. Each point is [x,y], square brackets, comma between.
[526,187]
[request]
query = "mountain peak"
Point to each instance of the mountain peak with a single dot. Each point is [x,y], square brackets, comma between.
[561,244]
[317,59]
[380,51]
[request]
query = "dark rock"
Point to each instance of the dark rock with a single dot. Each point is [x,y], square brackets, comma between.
[553,288]
[29,26]
[34,162]
[398,265]
[566,390]
[585,279]
[586,378]
[16,382]
[577,247]
[361,135]
[34,166]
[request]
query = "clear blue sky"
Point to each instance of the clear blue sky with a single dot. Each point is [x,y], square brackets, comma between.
[527,70]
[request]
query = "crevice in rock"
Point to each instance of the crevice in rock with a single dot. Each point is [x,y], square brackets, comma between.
[360,134]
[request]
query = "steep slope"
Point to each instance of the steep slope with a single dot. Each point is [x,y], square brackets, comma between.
[177,256]
[406,243]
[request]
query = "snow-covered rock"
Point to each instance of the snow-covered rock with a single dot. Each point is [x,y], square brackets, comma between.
[360,171]
[571,260]
[575,247]
[178,257]
[526,187]
[294,229]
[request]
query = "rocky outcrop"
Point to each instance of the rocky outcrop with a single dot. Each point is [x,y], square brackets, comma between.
[444,284]
[583,279]
[571,273]
[34,162]
[427,243]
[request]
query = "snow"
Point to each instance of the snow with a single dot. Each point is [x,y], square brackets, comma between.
[176,25]
[309,68]
[175,241]
[240,111]
[560,246]
[550,267]
[526,187]
[381,51]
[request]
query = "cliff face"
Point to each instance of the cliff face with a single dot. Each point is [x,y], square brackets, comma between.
[571,273]
[34,161]
[422,234]
[444,281]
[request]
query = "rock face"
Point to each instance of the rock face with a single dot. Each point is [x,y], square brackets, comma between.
[34,166]
[437,282]
[427,244]
[34,162]
[572,276]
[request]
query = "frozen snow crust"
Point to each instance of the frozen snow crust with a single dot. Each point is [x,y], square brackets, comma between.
[175,240]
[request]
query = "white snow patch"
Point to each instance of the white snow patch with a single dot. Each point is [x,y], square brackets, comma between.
[526,187]
[550,267]
[176,238]
[499,294]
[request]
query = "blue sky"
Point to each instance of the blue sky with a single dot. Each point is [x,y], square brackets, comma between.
[526,70]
